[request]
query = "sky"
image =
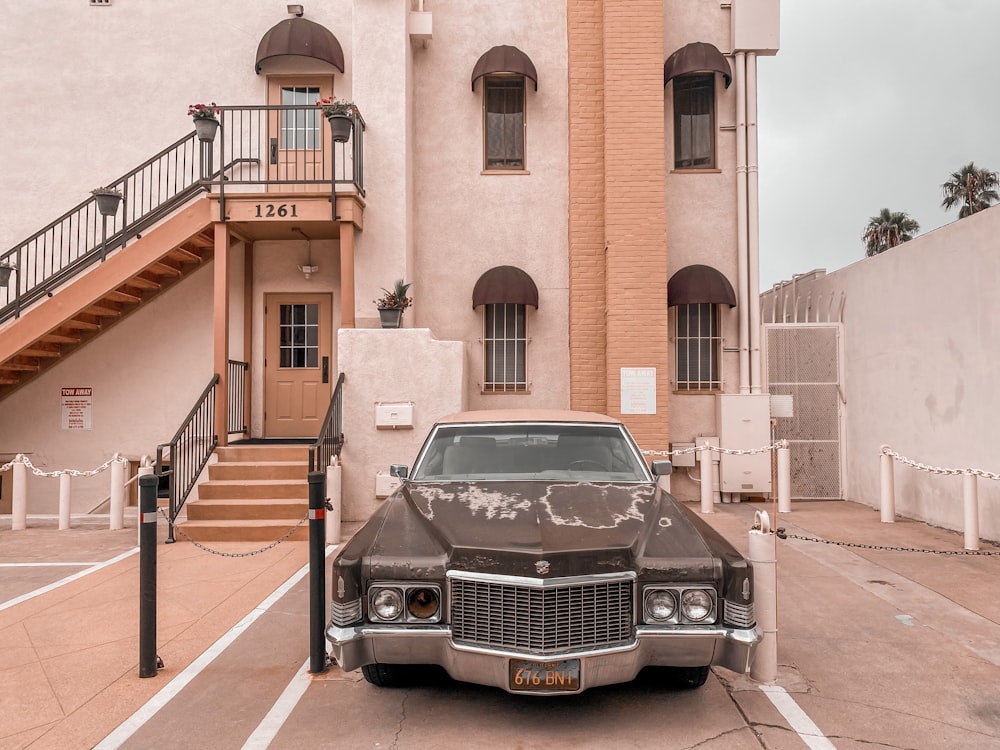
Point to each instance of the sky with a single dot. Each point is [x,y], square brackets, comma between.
[869,104]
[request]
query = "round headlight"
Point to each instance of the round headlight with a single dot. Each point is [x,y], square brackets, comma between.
[387,604]
[423,603]
[659,605]
[696,605]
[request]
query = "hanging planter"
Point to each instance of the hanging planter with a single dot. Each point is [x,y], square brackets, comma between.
[205,123]
[108,200]
[340,114]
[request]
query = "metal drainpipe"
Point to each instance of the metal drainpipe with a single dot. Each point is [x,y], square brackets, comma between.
[753,223]
[741,222]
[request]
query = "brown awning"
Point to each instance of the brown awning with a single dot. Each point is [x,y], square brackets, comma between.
[696,284]
[697,57]
[504,59]
[301,37]
[505,285]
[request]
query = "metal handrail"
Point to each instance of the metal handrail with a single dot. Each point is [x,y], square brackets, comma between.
[236,419]
[182,459]
[331,435]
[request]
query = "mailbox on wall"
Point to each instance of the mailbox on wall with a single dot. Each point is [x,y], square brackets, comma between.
[397,416]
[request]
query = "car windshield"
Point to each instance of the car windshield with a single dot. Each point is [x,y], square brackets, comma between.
[575,452]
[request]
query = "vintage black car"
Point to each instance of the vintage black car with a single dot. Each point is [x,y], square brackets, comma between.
[535,552]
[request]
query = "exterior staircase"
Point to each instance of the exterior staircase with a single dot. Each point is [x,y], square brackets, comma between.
[254,493]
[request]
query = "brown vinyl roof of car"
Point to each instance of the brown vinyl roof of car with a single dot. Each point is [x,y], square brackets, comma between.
[528,415]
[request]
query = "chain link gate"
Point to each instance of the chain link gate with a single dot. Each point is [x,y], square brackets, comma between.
[804,361]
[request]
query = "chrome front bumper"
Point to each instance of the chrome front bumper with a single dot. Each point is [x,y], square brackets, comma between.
[732,648]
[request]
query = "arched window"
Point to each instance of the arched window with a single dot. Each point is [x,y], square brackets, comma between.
[505,292]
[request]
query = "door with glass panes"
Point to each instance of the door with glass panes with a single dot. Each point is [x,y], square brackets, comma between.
[299,143]
[297,347]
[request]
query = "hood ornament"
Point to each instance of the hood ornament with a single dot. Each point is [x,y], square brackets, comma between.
[542,567]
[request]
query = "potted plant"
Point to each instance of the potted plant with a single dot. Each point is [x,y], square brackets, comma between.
[205,121]
[392,303]
[108,200]
[340,113]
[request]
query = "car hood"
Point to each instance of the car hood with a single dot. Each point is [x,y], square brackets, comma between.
[577,528]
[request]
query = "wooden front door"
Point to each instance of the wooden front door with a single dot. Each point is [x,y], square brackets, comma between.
[299,138]
[297,346]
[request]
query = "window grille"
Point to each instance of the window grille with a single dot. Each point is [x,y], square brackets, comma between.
[300,127]
[698,340]
[504,125]
[299,336]
[694,121]
[506,345]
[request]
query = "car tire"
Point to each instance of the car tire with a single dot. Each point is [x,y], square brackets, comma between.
[689,678]
[388,675]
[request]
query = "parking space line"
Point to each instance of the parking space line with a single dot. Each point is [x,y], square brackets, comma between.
[799,721]
[271,724]
[149,709]
[94,567]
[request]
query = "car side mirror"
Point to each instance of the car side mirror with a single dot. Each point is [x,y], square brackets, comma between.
[402,470]
[662,468]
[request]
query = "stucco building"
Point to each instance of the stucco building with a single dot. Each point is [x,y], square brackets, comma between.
[569,187]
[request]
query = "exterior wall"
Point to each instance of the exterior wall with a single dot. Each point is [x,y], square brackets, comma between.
[919,377]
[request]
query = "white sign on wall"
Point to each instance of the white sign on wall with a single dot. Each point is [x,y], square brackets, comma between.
[638,390]
[77,408]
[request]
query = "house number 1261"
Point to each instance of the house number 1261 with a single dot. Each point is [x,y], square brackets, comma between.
[270,211]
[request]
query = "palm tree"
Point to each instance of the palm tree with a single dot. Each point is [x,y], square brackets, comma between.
[972,187]
[887,230]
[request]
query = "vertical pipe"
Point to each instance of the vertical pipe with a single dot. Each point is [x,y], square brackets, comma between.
[761,554]
[65,495]
[887,489]
[147,576]
[317,573]
[743,287]
[118,493]
[753,233]
[19,498]
[705,455]
[970,494]
[784,478]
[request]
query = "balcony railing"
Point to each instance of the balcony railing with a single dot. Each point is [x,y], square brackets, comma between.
[257,148]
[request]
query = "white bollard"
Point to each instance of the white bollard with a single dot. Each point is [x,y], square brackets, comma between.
[145,469]
[970,494]
[784,478]
[19,495]
[705,456]
[333,491]
[888,491]
[65,496]
[761,554]
[117,493]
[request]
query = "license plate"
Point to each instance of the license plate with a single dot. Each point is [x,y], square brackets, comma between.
[540,676]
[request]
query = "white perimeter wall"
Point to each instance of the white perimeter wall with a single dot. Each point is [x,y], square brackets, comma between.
[922,364]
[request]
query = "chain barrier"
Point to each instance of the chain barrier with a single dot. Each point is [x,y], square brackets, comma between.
[886,450]
[22,459]
[729,451]
[782,534]
[220,553]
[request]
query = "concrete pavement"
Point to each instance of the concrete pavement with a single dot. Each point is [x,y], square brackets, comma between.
[876,648]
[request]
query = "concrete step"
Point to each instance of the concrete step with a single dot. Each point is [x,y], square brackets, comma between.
[267,452]
[254,471]
[259,530]
[257,490]
[234,509]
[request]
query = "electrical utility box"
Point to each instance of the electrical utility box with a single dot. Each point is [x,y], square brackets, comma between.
[744,424]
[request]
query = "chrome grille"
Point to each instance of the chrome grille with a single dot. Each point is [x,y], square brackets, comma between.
[347,613]
[543,618]
[740,615]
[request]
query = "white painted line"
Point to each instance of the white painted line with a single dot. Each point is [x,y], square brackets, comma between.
[48,564]
[135,722]
[800,723]
[272,723]
[68,579]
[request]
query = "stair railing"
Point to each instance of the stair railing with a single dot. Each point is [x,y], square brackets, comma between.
[236,412]
[331,434]
[183,458]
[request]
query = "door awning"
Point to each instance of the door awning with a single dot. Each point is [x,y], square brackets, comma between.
[504,59]
[697,284]
[505,285]
[697,57]
[302,38]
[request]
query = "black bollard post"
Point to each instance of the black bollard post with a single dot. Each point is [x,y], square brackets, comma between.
[147,576]
[317,572]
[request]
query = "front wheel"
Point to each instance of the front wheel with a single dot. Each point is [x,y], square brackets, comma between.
[388,675]
[688,678]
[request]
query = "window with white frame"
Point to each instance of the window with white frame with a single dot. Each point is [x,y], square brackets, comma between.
[506,345]
[503,127]
[300,126]
[694,121]
[698,342]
